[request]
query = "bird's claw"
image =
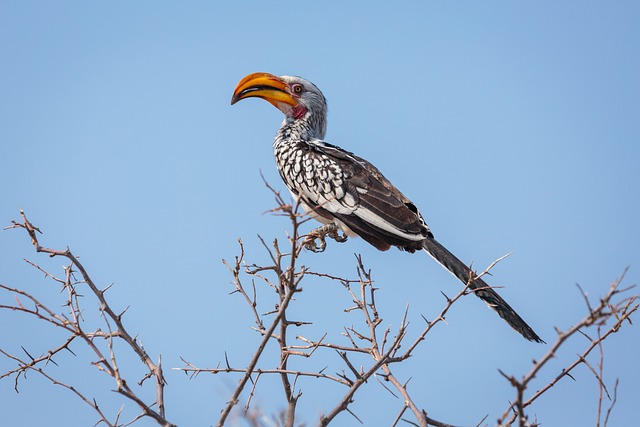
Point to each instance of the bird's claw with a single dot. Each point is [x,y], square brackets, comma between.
[311,245]
[320,234]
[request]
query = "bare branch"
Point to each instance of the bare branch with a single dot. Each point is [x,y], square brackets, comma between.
[72,323]
[600,316]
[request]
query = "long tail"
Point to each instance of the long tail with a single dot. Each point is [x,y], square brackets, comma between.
[480,288]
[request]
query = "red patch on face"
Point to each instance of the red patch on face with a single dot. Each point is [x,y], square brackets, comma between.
[299,111]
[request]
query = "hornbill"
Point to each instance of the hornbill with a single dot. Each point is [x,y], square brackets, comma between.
[346,192]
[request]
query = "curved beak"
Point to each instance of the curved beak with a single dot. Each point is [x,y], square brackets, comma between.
[266,86]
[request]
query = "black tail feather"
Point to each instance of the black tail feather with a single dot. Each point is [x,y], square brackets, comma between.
[480,288]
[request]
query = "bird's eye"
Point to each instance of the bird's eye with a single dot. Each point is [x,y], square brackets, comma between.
[297,89]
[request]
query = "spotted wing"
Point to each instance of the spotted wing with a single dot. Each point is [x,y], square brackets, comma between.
[341,186]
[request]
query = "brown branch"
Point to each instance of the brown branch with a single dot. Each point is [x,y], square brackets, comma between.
[365,303]
[33,367]
[599,316]
[286,287]
[381,343]
[73,325]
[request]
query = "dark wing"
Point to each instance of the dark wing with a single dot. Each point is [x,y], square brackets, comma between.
[363,200]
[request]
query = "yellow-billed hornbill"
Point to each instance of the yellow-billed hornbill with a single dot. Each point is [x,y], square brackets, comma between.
[348,193]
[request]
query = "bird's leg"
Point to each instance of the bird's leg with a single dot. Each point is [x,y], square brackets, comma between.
[321,233]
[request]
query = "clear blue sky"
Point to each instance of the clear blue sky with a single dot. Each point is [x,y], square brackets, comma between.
[514,126]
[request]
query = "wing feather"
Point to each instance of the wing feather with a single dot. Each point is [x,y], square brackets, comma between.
[365,201]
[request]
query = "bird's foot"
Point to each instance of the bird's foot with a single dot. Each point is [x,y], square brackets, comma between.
[320,234]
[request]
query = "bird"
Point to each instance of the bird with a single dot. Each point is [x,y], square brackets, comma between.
[347,193]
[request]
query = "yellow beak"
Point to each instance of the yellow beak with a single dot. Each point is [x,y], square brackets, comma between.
[266,86]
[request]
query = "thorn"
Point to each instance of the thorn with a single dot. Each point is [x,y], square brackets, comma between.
[50,359]
[354,416]
[446,297]
[27,353]
[226,359]
[123,312]
[426,320]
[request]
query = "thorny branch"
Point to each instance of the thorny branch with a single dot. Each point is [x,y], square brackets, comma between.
[383,345]
[283,275]
[286,285]
[608,318]
[72,323]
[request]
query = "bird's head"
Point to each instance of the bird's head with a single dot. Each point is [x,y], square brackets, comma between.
[297,98]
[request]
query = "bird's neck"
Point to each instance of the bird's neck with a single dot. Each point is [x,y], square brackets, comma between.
[298,130]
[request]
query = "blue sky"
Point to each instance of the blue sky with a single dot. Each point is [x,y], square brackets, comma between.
[513,126]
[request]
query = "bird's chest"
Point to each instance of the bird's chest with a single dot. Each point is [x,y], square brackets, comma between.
[309,172]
